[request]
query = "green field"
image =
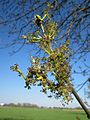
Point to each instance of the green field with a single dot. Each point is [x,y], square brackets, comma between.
[21,113]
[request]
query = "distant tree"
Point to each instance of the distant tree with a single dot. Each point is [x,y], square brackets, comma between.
[89,88]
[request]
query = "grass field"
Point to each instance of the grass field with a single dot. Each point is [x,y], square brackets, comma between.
[21,113]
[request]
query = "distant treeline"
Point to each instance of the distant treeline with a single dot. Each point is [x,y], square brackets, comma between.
[35,106]
[21,105]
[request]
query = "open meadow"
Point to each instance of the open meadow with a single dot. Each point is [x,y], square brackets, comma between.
[21,113]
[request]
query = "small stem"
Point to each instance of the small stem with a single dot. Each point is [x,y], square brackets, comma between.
[42,28]
[21,74]
[46,51]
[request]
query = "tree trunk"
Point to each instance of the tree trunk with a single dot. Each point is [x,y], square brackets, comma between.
[81,103]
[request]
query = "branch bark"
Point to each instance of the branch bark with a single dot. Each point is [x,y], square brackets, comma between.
[81,103]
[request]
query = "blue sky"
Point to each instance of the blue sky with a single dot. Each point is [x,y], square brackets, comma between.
[12,86]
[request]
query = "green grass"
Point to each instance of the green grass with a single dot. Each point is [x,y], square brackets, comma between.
[20,113]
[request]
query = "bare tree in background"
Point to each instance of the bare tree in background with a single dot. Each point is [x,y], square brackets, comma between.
[72,18]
